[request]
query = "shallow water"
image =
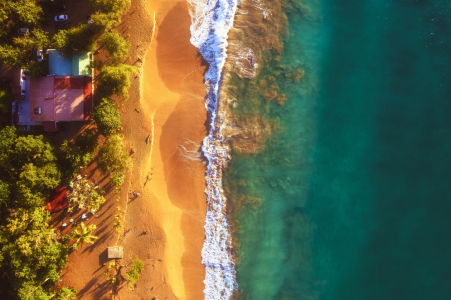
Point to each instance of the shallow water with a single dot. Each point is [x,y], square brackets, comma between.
[354,189]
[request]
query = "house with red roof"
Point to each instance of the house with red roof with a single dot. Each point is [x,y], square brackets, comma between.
[60,99]
[63,96]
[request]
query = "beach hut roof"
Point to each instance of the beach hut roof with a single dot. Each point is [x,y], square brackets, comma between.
[116,252]
[57,199]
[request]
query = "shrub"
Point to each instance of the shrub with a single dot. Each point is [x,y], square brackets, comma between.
[107,117]
[115,45]
[75,39]
[111,6]
[102,22]
[118,223]
[67,293]
[115,80]
[117,179]
[135,270]
[76,154]
[112,156]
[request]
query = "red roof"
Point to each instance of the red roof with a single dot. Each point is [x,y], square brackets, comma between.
[57,200]
[87,92]
[61,98]
[69,83]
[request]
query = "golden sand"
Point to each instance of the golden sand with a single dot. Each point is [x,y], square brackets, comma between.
[173,98]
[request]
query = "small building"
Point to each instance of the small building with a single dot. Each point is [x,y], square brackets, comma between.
[63,96]
[115,252]
[57,199]
[20,86]
[77,65]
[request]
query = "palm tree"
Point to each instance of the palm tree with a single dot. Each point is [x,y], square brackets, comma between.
[84,234]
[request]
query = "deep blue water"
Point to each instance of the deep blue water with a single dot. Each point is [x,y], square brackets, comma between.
[356,198]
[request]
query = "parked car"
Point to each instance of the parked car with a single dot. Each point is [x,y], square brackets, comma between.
[61,18]
[22,30]
[40,55]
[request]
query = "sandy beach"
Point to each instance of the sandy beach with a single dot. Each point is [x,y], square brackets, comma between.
[164,224]
[173,99]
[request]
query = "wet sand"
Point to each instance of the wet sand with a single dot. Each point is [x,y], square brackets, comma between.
[173,98]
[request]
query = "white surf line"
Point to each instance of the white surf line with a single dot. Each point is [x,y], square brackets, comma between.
[211,21]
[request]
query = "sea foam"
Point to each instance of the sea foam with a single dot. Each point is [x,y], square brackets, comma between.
[211,21]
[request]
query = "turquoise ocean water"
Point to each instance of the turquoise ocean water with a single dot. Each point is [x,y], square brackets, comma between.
[355,189]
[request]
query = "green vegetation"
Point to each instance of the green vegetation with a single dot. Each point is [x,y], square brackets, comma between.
[37,69]
[135,270]
[67,294]
[113,272]
[6,100]
[4,194]
[108,14]
[115,45]
[30,253]
[112,157]
[30,249]
[115,80]
[118,223]
[76,154]
[15,14]
[117,179]
[76,39]
[12,55]
[107,117]
[28,167]
[103,22]
[115,276]
[37,39]
[83,234]
[117,7]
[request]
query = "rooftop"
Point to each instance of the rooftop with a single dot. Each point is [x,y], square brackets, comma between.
[57,199]
[77,65]
[60,98]
[58,64]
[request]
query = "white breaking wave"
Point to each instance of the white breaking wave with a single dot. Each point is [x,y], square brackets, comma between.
[211,21]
